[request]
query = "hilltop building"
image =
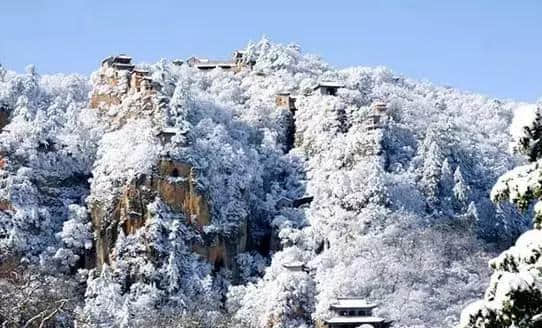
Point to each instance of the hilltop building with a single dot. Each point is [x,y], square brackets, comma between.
[354,312]
[296,266]
[177,62]
[377,117]
[328,88]
[285,100]
[120,62]
[166,134]
[237,63]
[119,77]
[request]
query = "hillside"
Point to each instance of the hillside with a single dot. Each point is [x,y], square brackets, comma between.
[170,193]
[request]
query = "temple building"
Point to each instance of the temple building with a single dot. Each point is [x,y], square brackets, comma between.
[236,64]
[140,80]
[120,62]
[119,78]
[376,119]
[166,134]
[354,312]
[328,88]
[296,266]
[285,100]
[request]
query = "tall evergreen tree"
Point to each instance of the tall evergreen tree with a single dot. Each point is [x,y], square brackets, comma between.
[514,296]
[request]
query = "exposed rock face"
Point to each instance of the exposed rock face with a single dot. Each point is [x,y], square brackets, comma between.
[112,85]
[222,251]
[174,183]
[176,187]
[98,100]
[130,92]
[5,205]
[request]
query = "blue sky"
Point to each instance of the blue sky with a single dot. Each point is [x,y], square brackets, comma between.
[492,47]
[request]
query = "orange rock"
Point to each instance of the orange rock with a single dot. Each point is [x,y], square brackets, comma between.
[6,206]
[174,183]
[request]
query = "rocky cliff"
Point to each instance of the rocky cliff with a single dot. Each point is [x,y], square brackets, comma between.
[184,191]
[122,93]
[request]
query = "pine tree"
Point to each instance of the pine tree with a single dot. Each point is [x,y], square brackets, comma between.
[514,297]
[461,190]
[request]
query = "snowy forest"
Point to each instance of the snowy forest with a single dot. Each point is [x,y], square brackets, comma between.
[181,197]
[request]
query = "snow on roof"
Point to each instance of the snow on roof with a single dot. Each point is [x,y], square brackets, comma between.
[294,264]
[107,59]
[329,84]
[379,105]
[215,63]
[169,131]
[355,320]
[123,56]
[141,70]
[351,303]
[239,53]
[283,93]
[119,59]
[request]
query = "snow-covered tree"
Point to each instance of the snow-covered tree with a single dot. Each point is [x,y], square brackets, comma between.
[514,296]
[384,223]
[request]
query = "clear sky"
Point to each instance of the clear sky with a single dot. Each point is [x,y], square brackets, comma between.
[488,46]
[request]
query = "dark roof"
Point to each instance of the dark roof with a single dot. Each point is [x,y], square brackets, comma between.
[214,63]
[294,265]
[380,106]
[303,200]
[107,59]
[226,64]
[123,66]
[119,59]
[329,84]
[169,131]
[122,57]
[238,53]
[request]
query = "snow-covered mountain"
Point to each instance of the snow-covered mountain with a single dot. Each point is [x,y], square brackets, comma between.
[171,194]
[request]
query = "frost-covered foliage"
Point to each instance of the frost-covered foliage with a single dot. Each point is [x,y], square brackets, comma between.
[289,301]
[76,236]
[514,296]
[170,276]
[400,213]
[46,153]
